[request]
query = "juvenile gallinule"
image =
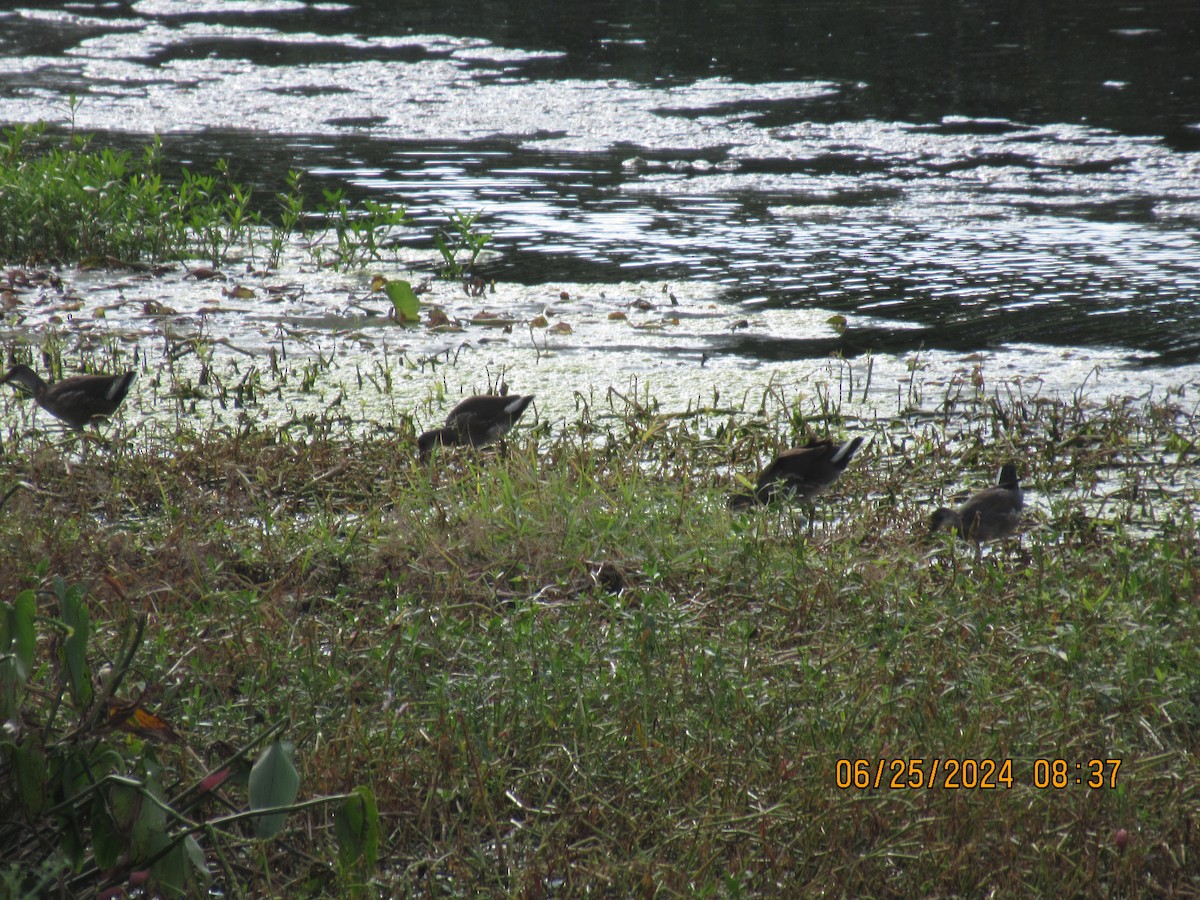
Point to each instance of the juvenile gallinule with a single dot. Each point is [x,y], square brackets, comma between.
[476,421]
[988,514]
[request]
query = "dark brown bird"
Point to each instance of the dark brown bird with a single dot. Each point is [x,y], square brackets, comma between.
[79,400]
[476,421]
[988,514]
[800,473]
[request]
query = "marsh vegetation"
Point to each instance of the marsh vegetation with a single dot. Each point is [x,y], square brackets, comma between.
[564,666]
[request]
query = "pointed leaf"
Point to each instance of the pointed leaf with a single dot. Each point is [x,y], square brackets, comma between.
[21,637]
[107,842]
[10,677]
[125,805]
[273,782]
[404,300]
[29,761]
[196,854]
[74,647]
[357,830]
[170,872]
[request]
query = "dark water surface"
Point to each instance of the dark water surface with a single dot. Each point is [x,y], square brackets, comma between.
[958,176]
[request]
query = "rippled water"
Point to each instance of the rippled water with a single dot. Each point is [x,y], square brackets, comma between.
[1017,189]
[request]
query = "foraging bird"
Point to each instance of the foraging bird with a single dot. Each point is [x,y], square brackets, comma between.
[988,514]
[476,421]
[802,472]
[79,400]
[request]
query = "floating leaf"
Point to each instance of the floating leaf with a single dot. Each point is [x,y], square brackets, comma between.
[438,317]
[404,301]
[618,316]
[273,782]
[239,292]
[562,328]
[154,308]
[838,322]
[538,322]
[492,320]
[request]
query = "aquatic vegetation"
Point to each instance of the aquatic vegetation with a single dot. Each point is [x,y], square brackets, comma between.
[63,201]
[462,237]
[360,232]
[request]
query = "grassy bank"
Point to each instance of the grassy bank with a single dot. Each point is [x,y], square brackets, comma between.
[569,669]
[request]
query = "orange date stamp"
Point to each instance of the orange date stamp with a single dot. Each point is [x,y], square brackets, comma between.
[984,774]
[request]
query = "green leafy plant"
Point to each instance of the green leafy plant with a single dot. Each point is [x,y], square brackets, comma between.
[91,811]
[404,300]
[360,232]
[291,214]
[462,238]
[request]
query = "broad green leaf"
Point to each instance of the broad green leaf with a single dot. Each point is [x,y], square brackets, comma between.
[10,677]
[169,874]
[196,854]
[107,841]
[24,610]
[273,782]
[75,617]
[357,830]
[29,761]
[404,300]
[125,805]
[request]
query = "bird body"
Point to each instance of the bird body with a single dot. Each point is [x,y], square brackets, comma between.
[79,400]
[476,421]
[801,472]
[987,515]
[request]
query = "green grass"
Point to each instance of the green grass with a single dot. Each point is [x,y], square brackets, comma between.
[570,670]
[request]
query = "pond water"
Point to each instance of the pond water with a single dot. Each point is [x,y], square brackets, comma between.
[992,187]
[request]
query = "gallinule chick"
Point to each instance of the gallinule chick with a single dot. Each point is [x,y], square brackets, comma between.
[800,473]
[988,514]
[79,400]
[476,421]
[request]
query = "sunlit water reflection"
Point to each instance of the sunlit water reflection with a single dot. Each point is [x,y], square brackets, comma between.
[1046,253]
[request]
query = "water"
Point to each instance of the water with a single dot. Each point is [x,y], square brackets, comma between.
[965,183]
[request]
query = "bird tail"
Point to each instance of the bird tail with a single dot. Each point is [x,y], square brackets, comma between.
[846,452]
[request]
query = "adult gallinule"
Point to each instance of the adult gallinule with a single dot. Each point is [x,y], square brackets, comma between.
[800,473]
